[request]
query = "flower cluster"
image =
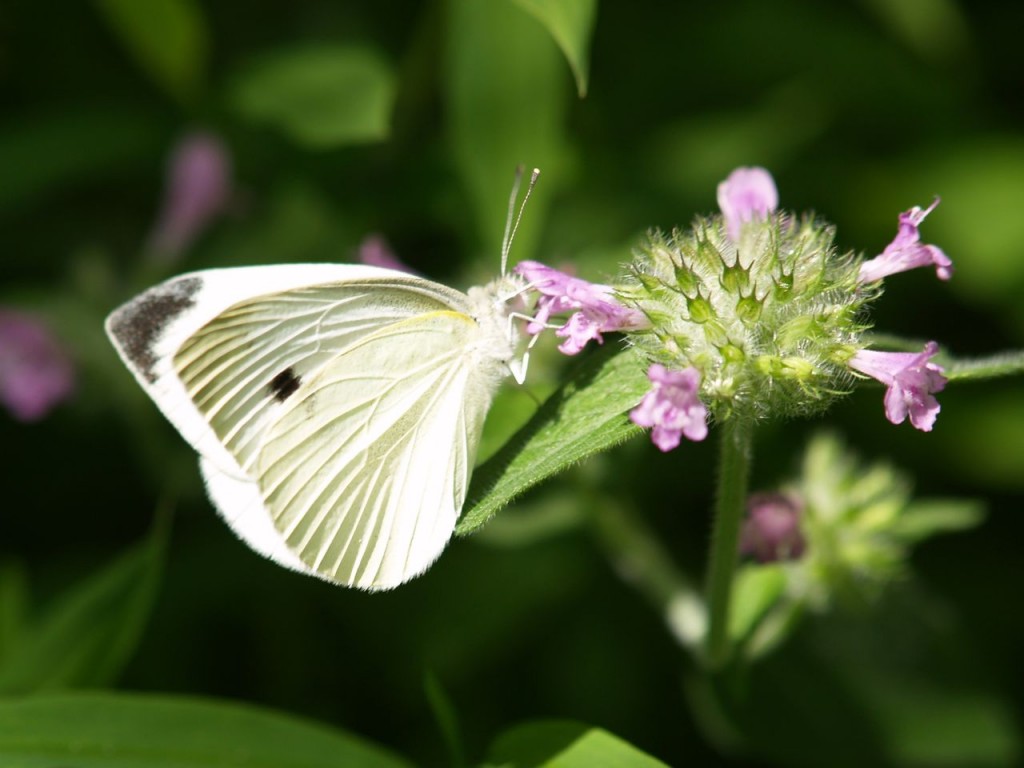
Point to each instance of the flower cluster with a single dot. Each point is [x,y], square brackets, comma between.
[749,314]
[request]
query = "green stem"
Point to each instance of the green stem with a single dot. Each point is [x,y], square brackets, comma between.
[733,475]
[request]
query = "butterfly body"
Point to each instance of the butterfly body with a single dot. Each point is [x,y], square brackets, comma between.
[336,409]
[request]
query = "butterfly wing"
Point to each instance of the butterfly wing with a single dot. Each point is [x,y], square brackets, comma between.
[222,352]
[365,471]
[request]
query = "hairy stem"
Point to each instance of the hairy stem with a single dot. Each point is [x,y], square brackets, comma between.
[733,476]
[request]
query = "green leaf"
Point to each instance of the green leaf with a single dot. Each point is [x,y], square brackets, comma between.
[506,98]
[167,37]
[321,96]
[755,590]
[98,730]
[923,519]
[89,634]
[934,28]
[571,24]
[988,446]
[585,416]
[49,151]
[564,744]
[446,717]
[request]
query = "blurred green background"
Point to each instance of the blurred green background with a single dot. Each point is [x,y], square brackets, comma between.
[404,119]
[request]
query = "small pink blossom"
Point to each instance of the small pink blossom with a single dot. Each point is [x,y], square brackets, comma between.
[35,371]
[748,194]
[906,251]
[375,251]
[672,407]
[911,379]
[595,310]
[771,531]
[197,190]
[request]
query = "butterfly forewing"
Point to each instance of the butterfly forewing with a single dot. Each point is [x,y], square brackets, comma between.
[368,492]
[241,367]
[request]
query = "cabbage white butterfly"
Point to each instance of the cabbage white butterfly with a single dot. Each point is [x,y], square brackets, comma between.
[336,408]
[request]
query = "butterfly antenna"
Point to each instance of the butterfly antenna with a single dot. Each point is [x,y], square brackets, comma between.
[513,219]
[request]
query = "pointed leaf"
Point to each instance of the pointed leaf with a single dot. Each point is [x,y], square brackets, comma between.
[587,415]
[106,730]
[89,634]
[167,37]
[564,744]
[571,23]
[923,519]
[320,95]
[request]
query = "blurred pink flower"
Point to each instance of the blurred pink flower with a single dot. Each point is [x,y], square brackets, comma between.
[748,194]
[375,251]
[771,531]
[197,190]
[35,371]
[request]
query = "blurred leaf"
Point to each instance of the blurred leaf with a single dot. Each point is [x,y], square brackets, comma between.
[700,150]
[446,717]
[571,23]
[563,744]
[321,95]
[934,28]
[585,416]
[755,590]
[532,522]
[923,519]
[97,730]
[989,437]
[89,634]
[167,37]
[923,724]
[506,104]
[49,151]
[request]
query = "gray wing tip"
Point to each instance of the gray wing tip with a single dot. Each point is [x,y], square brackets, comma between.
[136,326]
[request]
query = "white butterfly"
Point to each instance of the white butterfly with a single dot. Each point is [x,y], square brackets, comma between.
[336,408]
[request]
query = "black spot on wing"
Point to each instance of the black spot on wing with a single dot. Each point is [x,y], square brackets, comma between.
[138,325]
[284,384]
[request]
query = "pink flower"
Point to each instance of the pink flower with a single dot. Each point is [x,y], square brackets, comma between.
[594,309]
[672,407]
[906,251]
[771,531]
[374,251]
[197,190]
[748,194]
[911,379]
[35,371]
